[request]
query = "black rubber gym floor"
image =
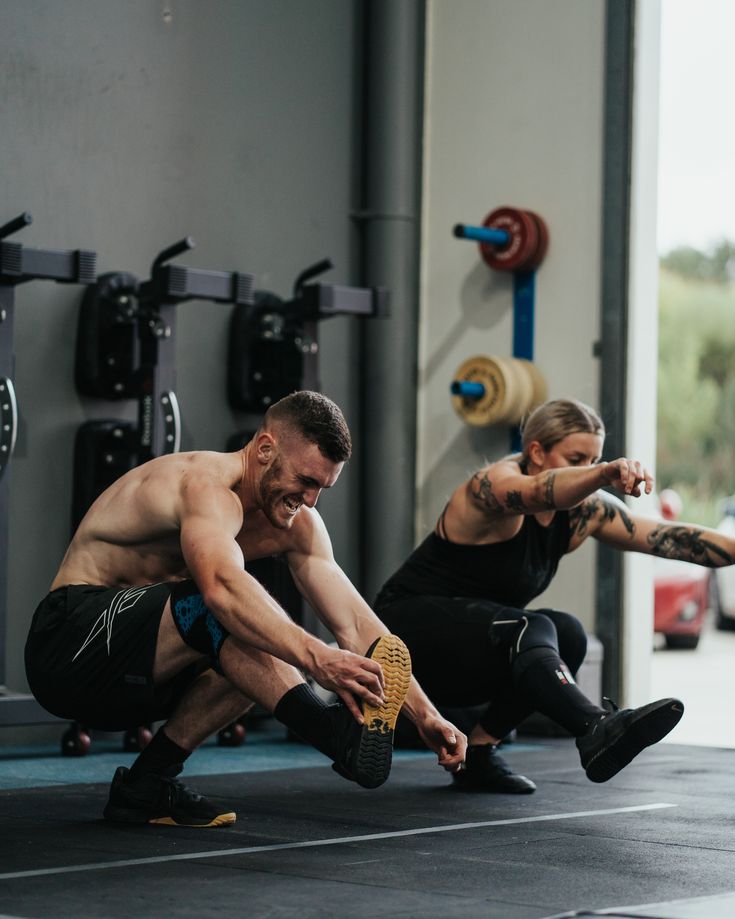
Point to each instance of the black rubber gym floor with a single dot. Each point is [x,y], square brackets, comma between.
[658,840]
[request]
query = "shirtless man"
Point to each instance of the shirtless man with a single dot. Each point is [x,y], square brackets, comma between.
[152,616]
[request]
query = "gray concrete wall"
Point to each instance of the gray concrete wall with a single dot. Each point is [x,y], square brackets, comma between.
[514,117]
[123,128]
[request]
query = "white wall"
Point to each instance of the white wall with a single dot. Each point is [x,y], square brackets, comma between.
[514,116]
[642,337]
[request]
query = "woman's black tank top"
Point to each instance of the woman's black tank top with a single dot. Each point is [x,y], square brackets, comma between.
[512,572]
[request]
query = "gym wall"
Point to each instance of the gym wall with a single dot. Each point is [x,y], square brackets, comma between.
[127,126]
[515,115]
[514,101]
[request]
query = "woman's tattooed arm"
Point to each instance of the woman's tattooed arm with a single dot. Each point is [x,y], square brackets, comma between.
[481,490]
[549,491]
[594,513]
[688,544]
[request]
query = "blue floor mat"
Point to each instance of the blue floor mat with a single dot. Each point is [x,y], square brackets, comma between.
[265,749]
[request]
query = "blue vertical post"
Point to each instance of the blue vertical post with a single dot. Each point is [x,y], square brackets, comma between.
[524,290]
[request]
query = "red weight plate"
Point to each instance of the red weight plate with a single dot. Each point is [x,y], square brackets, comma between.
[523,242]
[543,242]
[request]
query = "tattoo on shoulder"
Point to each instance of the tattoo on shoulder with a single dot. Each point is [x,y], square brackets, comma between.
[688,544]
[514,501]
[482,490]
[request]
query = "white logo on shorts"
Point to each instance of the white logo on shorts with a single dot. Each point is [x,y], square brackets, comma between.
[121,602]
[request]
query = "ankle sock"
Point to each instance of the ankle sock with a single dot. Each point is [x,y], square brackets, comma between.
[304,713]
[160,757]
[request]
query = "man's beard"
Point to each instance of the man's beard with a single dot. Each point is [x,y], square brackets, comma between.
[271,501]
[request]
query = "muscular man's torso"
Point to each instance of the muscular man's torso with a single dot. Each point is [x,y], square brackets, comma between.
[130,535]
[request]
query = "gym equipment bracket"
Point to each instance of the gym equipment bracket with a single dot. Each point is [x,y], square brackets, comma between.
[18,265]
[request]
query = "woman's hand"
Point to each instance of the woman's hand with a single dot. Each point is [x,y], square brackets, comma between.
[627,476]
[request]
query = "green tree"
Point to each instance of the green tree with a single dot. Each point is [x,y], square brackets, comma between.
[696,384]
[717,265]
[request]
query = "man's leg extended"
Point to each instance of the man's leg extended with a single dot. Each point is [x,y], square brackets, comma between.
[360,752]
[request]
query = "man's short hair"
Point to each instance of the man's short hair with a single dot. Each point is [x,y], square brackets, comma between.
[319,421]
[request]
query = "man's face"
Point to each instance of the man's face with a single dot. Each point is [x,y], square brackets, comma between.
[295,476]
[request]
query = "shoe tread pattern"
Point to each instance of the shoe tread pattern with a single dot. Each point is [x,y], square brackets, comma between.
[374,753]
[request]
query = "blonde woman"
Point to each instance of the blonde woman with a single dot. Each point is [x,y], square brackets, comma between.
[460,599]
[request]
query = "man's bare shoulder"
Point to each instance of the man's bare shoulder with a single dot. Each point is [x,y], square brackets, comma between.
[161,491]
[205,481]
[308,534]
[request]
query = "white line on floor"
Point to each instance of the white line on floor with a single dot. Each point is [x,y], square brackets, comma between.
[710,906]
[340,840]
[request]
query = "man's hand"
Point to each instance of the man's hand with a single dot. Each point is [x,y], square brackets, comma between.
[627,476]
[441,736]
[350,675]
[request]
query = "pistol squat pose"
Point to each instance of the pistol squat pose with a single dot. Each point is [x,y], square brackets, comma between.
[459,601]
[152,617]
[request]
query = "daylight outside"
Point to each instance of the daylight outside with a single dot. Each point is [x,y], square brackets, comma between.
[694,644]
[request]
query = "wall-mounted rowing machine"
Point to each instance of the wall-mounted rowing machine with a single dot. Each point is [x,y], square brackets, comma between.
[18,265]
[125,350]
[274,344]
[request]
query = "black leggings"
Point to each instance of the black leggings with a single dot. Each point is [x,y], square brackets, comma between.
[467,652]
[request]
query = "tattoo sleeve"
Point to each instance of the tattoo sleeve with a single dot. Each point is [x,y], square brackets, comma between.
[482,490]
[580,517]
[687,544]
[549,491]
[514,501]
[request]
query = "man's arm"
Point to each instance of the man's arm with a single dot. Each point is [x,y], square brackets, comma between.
[355,626]
[209,518]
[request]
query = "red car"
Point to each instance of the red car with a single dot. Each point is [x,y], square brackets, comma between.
[681,590]
[681,600]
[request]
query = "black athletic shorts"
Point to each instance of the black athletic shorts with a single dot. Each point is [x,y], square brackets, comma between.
[90,653]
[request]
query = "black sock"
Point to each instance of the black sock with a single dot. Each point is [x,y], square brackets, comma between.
[161,757]
[504,714]
[543,678]
[304,713]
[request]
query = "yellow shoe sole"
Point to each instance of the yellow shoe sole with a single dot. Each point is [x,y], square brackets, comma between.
[221,820]
[374,753]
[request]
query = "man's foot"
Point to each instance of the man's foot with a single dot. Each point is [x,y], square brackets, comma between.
[619,736]
[486,770]
[155,799]
[366,750]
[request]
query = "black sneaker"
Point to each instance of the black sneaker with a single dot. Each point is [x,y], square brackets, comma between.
[486,770]
[157,799]
[367,749]
[619,736]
